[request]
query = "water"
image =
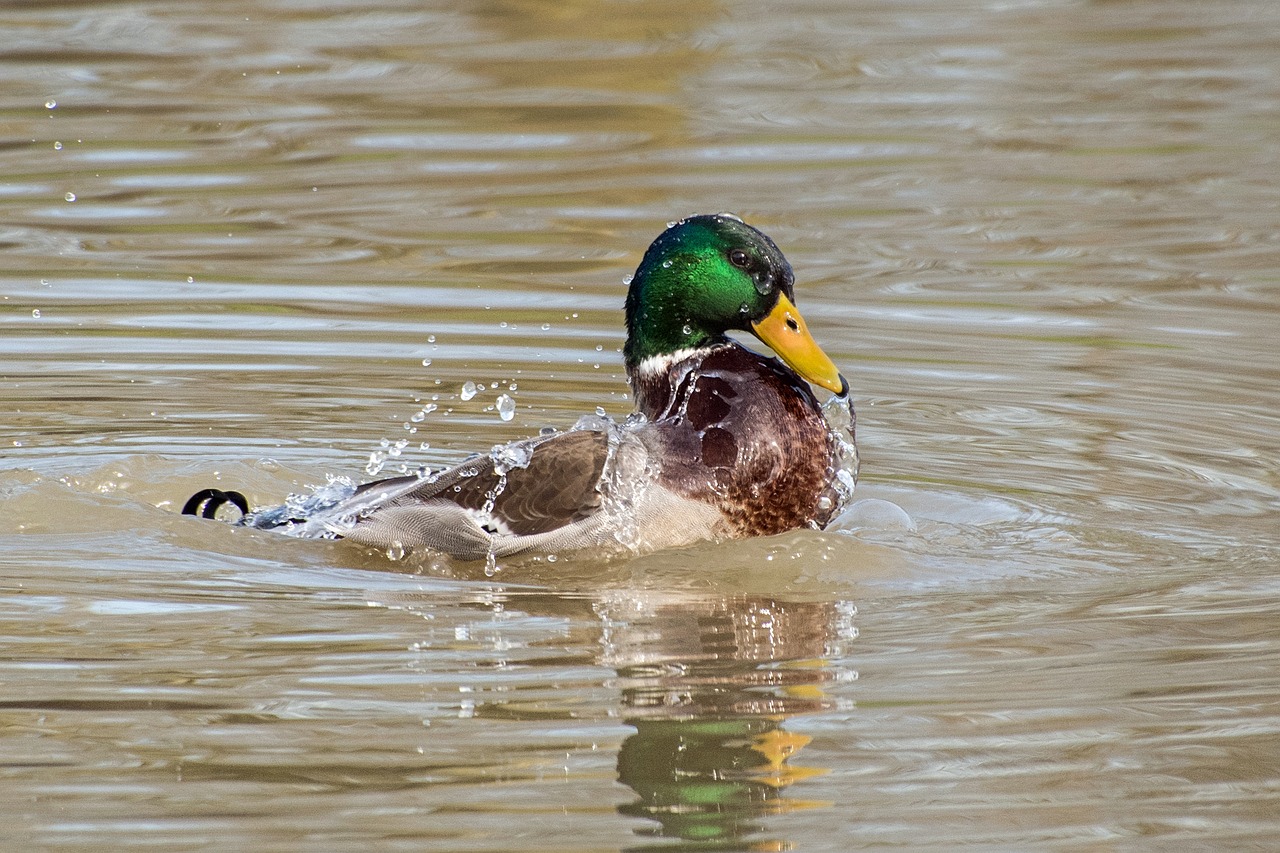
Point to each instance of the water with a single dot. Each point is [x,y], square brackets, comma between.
[1039,238]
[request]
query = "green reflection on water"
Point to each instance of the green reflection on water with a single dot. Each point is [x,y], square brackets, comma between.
[709,687]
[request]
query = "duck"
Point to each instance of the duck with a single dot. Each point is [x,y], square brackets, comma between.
[725,442]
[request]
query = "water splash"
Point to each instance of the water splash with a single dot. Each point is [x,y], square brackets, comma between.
[842,421]
[505,458]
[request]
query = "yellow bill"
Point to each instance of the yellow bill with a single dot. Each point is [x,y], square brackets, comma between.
[784,330]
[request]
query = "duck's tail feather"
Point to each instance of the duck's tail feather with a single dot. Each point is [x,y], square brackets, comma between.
[206,503]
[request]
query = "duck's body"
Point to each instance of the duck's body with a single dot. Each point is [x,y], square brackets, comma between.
[724,443]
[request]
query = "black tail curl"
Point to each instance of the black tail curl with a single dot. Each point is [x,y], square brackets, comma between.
[206,503]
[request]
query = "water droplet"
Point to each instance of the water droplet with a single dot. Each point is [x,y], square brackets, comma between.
[666,265]
[599,347]
[468,390]
[70,196]
[551,558]
[418,416]
[575,315]
[687,330]
[50,104]
[376,460]
[35,312]
[431,339]
[546,327]
[628,278]
[426,445]
[191,279]
[396,551]
[430,407]
[44,282]
[57,146]
[502,325]
[506,407]
[600,411]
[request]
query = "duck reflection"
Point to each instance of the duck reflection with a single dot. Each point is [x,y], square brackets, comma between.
[709,686]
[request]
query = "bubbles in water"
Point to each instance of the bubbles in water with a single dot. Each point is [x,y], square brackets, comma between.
[468,390]
[506,407]
[876,514]
[70,196]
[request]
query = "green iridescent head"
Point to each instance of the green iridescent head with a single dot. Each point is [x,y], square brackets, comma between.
[710,274]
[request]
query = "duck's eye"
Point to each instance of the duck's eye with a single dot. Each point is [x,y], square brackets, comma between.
[739,259]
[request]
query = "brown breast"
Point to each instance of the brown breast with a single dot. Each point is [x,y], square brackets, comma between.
[744,433]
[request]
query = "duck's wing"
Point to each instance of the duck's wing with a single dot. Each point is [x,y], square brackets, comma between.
[490,504]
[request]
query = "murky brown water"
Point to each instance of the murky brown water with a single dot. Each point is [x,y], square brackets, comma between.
[1042,239]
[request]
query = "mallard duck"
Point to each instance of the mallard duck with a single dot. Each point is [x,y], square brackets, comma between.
[724,442]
